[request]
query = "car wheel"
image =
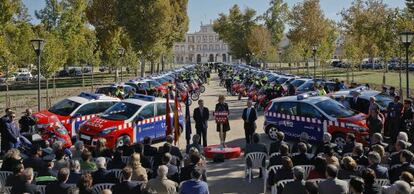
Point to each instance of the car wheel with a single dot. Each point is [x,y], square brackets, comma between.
[195,96]
[125,139]
[202,89]
[271,132]
[339,140]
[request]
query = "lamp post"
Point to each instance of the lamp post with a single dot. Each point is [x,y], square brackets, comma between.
[406,38]
[280,60]
[314,49]
[38,45]
[121,52]
[263,59]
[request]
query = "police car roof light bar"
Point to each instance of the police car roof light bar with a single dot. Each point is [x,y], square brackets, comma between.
[302,96]
[90,95]
[144,97]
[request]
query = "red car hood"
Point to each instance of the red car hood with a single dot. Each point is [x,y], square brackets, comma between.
[44,117]
[97,124]
[358,119]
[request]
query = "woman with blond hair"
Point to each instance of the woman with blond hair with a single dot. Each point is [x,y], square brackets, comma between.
[101,150]
[223,122]
[139,173]
[11,159]
[348,168]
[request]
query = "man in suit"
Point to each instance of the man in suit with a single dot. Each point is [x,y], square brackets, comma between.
[406,158]
[249,117]
[302,158]
[26,185]
[374,160]
[356,103]
[126,186]
[102,175]
[175,151]
[274,146]
[60,185]
[201,115]
[332,184]
[149,150]
[393,121]
[298,185]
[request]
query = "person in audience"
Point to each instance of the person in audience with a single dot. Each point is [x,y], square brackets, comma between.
[86,163]
[172,169]
[350,143]
[394,158]
[85,184]
[101,150]
[403,136]
[407,177]
[283,173]
[138,172]
[330,157]
[274,146]
[298,185]
[374,160]
[348,168]
[127,150]
[102,175]
[116,162]
[145,161]
[356,185]
[126,186]
[358,155]
[60,186]
[75,172]
[175,151]
[11,159]
[302,157]
[369,179]
[195,185]
[196,144]
[304,138]
[15,178]
[311,187]
[377,139]
[276,159]
[398,187]
[161,184]
[256,146]
[26,185]
[406,159]
[319,172]
[195,162]
[149,150]
[78,150]
[332,184]
[326,144]
[394,111]
[380,150]
[60,160]
[34,161]
[375,122]
[46,175]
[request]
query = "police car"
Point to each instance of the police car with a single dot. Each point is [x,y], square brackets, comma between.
[129,121]
[63,119]
[311,116]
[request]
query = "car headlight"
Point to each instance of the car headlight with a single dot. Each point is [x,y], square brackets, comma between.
[356,127]
[107,130]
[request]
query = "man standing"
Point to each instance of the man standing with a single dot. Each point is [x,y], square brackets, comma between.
[356,103]
[27,121]
[201,115]
[249,117]
[394,111]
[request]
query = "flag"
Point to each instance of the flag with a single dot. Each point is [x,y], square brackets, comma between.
[187,119]
[168,116]
[177,131]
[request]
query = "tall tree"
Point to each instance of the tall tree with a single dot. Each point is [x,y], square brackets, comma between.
[259,42]
[50,15]
[275,18]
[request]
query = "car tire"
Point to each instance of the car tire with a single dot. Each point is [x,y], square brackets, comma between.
[271,132]
[122,140]
[339,140]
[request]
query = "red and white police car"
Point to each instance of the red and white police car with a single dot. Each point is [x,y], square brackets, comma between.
[312,116]
[129,121]
[63,119]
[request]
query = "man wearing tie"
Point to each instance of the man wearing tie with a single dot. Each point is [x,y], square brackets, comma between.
[201,115]
[249,117]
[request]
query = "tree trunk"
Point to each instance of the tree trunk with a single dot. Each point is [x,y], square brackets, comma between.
[162,63]
[158,67]
[152,67]
[7,94]
[122,75]
[142,67]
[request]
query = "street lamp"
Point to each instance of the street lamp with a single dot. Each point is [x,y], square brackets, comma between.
[38,45]
[406,38]
[314,49]
[280,60]
[121,52]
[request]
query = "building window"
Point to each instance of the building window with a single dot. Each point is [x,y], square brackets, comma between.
[198,39]
[210,48]
[217,47]
[204,47]
[210,38]
[198,47]
[191,48]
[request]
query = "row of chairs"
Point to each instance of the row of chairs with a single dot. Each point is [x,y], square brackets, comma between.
[96,189]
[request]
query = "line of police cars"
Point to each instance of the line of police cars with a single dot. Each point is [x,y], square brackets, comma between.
[308,115]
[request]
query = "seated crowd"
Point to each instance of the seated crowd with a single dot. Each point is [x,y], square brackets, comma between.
[138,168]
[378,168]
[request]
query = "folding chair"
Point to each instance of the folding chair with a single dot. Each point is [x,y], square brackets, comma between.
[281,184]
[98,188]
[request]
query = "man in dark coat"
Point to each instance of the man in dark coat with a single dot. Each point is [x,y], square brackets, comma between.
[60,185]
[249,117]
[201,115]
[406,159]
[302,158]
[126,186]
[356,103]
[394,111]
[102,175]
[149,150]
[274,146]
[222,127]
[26,186]
[298,185]
[27,121]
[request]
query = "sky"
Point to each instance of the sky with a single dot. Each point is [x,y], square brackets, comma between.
[208,10]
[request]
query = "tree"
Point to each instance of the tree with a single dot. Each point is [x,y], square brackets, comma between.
[259,42]
[235,29]
[275,18]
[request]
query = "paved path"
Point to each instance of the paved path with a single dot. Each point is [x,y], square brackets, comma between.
[228,177]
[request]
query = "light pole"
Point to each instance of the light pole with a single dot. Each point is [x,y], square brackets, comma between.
[314,49]
[263,59]
[280,60]
[406,38]
[38,45]
[121,52]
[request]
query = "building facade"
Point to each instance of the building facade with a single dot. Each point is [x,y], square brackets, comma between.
[201,47]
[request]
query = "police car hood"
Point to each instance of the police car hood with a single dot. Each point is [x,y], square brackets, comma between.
[45,117]
[98,124]
[358,119]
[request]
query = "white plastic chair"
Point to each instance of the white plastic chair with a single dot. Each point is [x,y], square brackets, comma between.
[42,188]
[347,154]
[7,190]
[273,154]
[360,168]
[307,169]
[98,188]
[3,177]
[317,181]
[273,169]
[125,159]
[87,171]
[256,159]
[117,173]
[281,184]
[382,182]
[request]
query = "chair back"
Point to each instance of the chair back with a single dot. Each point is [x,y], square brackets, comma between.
[274,168]
[317,181]
[360,168]
[307,169]
[117,173]
[7,190]
[125,159]
[98,188]
[347,154]
[256,159]
[382,182]
[3,177]
[42,188]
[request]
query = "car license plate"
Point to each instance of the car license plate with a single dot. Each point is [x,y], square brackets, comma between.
[85,137]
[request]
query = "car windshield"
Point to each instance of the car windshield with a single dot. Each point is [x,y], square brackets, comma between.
[383,100]
[64,107]
[306,86]
[335,109]
[297,82]
[120,111]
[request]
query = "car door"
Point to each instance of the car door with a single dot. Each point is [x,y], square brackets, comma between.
[311,121]
[287,111]
[160,125]
[144,126]
[80,116]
